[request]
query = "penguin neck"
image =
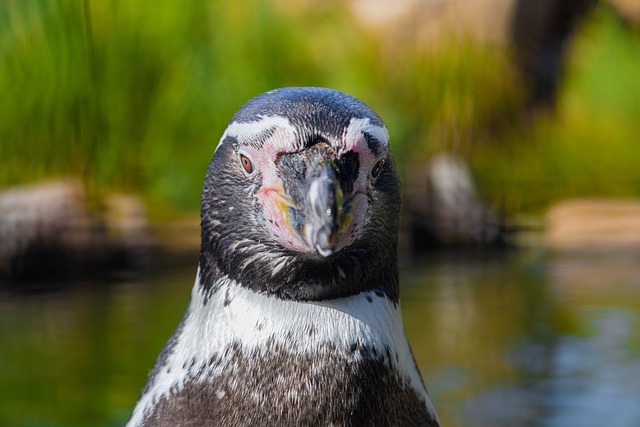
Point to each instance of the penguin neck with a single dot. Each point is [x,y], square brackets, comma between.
[253,322]
[370,317]
[302,277]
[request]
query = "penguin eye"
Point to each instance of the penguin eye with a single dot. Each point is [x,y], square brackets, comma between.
[377,168]
[246,163]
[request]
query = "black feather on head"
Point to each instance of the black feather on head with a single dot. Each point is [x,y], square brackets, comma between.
[239,238]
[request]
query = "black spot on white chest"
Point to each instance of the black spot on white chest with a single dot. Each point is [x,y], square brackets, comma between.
[272,386]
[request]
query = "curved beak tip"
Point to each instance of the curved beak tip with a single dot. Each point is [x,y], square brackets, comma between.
[325,252]
[326,242]
[320,239]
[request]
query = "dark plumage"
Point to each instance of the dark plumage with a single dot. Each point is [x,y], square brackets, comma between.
[294,316]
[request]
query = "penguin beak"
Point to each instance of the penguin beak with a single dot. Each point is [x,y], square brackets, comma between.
[323,209]
[316,214]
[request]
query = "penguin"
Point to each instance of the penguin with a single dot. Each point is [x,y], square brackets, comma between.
[294,317]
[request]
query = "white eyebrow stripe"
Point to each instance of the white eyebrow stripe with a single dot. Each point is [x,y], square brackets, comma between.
[247,131]
[358,126]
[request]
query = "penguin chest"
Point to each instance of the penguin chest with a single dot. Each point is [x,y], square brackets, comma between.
[239,358]
[332,386]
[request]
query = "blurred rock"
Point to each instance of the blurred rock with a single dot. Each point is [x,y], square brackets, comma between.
[127,228]
[178,239]
[43,228]
[443,208]
[47,231]
[593,225]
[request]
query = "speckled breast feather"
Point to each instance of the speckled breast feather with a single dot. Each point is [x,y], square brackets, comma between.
[240,358]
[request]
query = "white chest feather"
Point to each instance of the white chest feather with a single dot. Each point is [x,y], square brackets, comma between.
[239,317]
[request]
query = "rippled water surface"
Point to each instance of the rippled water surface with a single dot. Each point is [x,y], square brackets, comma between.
[507,339]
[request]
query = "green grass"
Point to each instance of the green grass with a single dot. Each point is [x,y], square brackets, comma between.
[589,148]
[134,96]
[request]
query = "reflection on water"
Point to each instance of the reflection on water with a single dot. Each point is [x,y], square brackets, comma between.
[511,341]
[501,339]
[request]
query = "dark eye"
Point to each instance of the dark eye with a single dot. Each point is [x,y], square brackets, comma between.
[246,164]
[377,168]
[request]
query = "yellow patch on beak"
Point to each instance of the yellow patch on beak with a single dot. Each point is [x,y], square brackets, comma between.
[346,220]
[284,203]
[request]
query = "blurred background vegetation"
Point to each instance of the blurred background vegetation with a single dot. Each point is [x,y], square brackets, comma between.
[133,96]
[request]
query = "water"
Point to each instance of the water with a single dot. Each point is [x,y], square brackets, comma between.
[502,339]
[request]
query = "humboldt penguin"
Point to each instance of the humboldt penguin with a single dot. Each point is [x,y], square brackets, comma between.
[294,318]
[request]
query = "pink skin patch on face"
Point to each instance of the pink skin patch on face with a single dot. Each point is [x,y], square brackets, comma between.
[275,209]
[355,141]
[271,195]
[275,202]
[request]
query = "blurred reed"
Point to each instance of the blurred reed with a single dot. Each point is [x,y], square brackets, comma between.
[134,95]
